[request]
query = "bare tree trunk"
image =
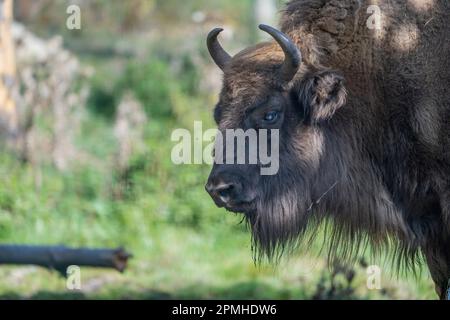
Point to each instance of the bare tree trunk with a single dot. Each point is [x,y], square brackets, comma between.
[60,257]
[8,116]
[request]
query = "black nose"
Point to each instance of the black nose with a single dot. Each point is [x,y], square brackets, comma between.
[223,193]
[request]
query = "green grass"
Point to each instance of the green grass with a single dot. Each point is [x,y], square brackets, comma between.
[176,262]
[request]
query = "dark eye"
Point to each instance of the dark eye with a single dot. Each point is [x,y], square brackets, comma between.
[271,116]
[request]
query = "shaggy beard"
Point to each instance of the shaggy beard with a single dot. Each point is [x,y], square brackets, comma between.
[285,217]
[281,216]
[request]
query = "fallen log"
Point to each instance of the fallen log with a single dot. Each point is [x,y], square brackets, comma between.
[60,257]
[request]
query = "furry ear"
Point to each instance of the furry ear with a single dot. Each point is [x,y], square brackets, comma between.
[320,94]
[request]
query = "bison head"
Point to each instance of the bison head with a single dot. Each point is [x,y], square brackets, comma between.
[268,86]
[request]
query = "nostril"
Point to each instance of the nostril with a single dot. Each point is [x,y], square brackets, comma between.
[224,193]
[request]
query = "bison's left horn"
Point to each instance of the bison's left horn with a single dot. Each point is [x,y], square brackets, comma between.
[293,57]
[219,55]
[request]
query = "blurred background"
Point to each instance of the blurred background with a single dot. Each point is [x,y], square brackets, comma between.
[85,122]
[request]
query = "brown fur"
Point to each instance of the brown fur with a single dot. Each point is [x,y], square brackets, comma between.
[365,147]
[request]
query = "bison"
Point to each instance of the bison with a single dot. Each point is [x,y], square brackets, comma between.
[359,91]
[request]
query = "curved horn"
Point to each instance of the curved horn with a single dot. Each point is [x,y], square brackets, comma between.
[293,57]
[219,55]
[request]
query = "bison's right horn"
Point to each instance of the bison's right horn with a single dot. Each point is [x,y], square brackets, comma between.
[293,57]
[219,55]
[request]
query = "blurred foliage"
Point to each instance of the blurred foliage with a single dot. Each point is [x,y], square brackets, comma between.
[151,83]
